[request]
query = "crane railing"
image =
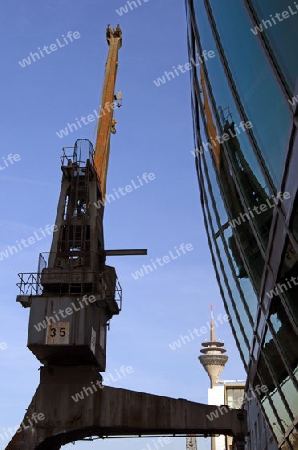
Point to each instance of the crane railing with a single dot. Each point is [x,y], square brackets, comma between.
[104,283]
[79,154]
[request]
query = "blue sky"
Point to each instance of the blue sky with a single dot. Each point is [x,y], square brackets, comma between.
[154,135]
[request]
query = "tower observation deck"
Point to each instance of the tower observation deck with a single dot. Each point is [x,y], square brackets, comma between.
[213,358]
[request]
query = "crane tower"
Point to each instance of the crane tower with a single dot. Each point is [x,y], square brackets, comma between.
[74,275]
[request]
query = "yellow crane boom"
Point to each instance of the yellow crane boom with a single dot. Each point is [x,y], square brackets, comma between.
[106,123]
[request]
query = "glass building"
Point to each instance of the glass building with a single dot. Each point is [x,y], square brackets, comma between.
[245,117]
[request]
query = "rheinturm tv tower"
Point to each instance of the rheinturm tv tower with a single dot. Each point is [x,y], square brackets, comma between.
[214,360]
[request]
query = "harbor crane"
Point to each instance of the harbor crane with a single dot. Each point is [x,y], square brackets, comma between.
[72,298]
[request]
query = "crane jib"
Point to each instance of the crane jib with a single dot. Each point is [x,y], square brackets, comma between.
[106,123]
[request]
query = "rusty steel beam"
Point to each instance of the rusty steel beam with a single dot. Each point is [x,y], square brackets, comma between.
[106,412]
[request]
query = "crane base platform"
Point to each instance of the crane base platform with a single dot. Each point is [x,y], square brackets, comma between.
[71,404]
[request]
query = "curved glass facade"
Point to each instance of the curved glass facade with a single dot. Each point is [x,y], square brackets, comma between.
[245,133]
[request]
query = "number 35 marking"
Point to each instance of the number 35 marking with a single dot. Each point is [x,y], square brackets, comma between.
[58,333]
[54,332]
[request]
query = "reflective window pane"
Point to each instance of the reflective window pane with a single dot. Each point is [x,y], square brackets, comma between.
[290,393]
[241,344]
[272,392]
[295,223]
[285,446]
[288,280]
[234,396]
[245,283]
[248,173]
[232,199]
[293,438]
[278,368]
[260,94]
[282,33]
[235,291]
[228,270]
[285,333]
[272,419]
